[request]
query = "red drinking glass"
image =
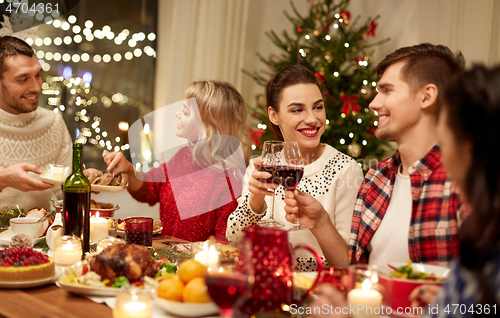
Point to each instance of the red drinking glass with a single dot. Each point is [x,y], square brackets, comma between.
[139,230]
[228,285]
[338,277]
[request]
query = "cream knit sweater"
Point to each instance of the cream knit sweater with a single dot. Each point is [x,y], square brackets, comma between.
[333,179]
[39,138]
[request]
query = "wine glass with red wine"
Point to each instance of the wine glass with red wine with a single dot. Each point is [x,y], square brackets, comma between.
[290,169]
[270,150]
[231,283]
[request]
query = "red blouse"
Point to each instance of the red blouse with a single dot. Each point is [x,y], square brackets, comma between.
[195,202]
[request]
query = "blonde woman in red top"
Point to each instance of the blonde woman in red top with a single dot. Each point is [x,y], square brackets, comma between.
[198,187]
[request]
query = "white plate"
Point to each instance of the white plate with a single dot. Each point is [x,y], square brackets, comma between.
[103,188]
[187,309]
[7,235]
[47,176]
[85,290]
[32,283]
[93,187]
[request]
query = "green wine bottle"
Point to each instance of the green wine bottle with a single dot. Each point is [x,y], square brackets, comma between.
[76,206]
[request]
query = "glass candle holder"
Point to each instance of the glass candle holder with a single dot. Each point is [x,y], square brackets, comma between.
[338,277]
[67,250]
[365,291]
[207,254]
[133,303]
[108,241]
[113,227]
[139,230]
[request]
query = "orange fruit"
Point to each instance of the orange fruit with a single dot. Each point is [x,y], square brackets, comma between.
[191,269]
[196,291]
[171,289]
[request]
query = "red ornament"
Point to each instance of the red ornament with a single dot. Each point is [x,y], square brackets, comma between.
[359,59]
[346,15]
[320,76]
[371,129]
[325,28]
[371,30]
[254,114]
[326,94]
[255,135]
[349,104]
[299,30]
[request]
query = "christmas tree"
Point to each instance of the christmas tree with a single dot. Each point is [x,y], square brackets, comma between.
[339,51]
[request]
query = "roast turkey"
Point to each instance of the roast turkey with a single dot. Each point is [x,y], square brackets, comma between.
[130,260]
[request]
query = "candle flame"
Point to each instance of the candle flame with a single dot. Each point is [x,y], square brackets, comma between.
[97,214]
[68,245]
[366,285]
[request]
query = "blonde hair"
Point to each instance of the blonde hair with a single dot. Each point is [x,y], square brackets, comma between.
[223,113]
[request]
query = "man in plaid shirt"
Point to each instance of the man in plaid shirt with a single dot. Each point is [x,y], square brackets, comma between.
[410,191]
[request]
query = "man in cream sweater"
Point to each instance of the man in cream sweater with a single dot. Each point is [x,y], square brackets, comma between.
[31,138]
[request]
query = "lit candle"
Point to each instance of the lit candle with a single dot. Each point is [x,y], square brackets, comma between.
[99,228]
[133,304]
[366,301]
[208,256]
[67,250]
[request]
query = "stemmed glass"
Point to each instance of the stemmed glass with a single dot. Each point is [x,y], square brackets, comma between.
[229,286]
[270,155]
[290,169]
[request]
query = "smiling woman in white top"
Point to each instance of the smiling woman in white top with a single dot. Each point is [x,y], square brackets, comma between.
[296,111]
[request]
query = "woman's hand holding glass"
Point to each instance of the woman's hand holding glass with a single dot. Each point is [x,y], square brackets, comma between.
[257,184]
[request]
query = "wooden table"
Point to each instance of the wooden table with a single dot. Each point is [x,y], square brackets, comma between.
[52,301]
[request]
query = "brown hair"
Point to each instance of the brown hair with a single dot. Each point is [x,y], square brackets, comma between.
[472,103]
[425,64]
[10,46]
[289,76]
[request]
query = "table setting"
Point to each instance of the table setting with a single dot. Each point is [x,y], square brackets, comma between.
[254,278]
[345,279]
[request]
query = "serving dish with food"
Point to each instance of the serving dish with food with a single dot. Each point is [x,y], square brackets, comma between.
[402,278]
[102,274]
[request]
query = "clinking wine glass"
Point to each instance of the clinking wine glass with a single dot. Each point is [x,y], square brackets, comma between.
[270,156]
[231,283]
[290,169]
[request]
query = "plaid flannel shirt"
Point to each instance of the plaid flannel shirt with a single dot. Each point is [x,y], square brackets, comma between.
[436,210]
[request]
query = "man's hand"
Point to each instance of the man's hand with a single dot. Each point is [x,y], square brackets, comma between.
[16,176]
[304,206]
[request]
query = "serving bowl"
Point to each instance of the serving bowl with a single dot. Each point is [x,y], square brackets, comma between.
[27,225]
[104,211]
[397,290]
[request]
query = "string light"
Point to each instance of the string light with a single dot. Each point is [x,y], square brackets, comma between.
[53,86]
